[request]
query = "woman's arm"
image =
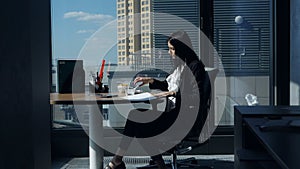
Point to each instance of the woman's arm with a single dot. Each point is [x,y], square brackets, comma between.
[153,83]
[144,80]
[157,84]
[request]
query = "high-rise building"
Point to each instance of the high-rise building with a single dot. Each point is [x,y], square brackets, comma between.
[134,33]
[146,32]
[122,11]
[143,27]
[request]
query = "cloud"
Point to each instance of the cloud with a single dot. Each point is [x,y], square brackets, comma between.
[85,31]
[84,16]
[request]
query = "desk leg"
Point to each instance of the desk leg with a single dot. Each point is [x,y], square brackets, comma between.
[96,136]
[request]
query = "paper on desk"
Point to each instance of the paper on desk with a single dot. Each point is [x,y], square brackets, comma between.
[140,97]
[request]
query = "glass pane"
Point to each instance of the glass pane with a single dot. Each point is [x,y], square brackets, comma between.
[242,37]
[131,37]
[74,22]
[295,53]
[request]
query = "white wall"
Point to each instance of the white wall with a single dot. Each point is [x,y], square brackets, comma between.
[234,91]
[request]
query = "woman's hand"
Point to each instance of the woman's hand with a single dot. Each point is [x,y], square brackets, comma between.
[144,80]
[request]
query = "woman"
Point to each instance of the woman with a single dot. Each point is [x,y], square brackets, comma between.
[187,94]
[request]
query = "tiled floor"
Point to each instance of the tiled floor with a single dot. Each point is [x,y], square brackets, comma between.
[218,161]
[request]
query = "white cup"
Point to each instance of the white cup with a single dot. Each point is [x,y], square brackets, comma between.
[130,91]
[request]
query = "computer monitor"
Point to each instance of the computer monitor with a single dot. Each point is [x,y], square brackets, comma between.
[70,76]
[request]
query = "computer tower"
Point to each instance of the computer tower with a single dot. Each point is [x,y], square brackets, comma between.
[70,76]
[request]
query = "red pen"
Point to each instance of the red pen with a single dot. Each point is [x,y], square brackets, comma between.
[101,70]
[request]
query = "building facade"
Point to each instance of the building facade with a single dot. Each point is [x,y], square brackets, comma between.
[143,27]
[134,33]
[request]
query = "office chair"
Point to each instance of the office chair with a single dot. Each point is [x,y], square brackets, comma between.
[193,136]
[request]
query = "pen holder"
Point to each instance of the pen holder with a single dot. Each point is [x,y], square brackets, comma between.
[98,88]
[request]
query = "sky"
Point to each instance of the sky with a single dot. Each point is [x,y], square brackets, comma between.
[74,22]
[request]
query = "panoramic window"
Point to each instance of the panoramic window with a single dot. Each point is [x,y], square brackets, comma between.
[131,37]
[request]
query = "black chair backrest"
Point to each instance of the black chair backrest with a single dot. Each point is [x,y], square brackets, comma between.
[205,101]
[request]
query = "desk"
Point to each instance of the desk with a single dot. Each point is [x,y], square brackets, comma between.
[95,102]
[282,145]
[265,149]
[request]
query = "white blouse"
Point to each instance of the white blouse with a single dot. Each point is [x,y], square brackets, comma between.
[173,81]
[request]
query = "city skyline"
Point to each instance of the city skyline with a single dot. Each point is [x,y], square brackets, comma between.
[130,40]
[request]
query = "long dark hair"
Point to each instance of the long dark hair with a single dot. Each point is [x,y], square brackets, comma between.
[183,46]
